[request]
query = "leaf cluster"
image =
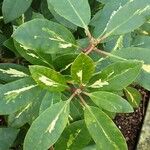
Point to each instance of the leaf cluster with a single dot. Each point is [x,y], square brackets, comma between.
[79,63]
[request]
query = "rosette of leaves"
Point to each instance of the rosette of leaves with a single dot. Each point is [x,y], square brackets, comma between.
[72,88]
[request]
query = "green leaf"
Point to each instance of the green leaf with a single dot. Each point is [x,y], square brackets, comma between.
[61,20]
[90,147]
[133,53]
[144,77]
[110,102]
[127,18]
[27,114]
[118,42]
[35,58]
[7,137]
[48,78]
[63,62]
[101,18]
[15,95]
[103,130]
[45,36]
[116,76]
[112,115]
[141,54]
[9,43]
[74,137]
[14,9]
[82,69]
[47,128]
[3,38]
[104,1]
[36,15]
[44,10]
[77,12]
[49,99]
[146,27]
[76,110]
[133,96]
[11,72]
[141,41]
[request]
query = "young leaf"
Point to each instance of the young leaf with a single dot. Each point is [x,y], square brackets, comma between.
[82,69]
[48,78]
[11,72]
[14,9]
[74,137]
[47,128]
[103,130]
[45,36]
[49,99]
[15,95]
[77,12]
[110,102]
[141,54]
[116,76]
[133,96]
[7,137]
[128,17]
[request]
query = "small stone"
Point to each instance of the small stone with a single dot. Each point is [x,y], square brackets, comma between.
[127,139]
[119,127]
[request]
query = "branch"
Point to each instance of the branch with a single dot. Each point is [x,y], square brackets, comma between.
[76,92]
[89,49]
[82,100]
[102,38]
[88,33]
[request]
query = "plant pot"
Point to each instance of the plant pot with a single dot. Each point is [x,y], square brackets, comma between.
[144,140]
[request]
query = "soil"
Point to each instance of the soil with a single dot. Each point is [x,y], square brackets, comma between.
[130,124]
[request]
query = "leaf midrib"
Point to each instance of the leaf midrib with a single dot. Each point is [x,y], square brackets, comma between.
[85,26]
[107,137]
[106,100]
[67,42]
[124,22]
[60,112]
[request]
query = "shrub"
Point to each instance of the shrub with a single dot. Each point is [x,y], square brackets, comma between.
[79,69]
